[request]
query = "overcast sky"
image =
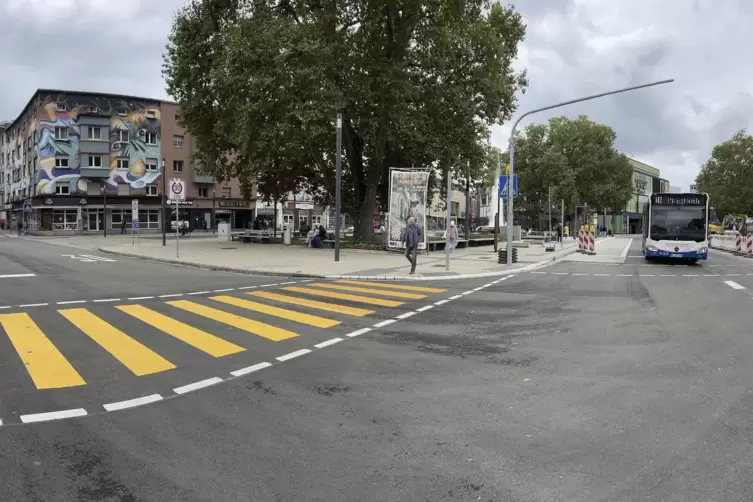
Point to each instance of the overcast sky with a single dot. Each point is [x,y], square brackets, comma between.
[573,48]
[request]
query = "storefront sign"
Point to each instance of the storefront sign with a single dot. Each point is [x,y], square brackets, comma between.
[231,203]
[180,202]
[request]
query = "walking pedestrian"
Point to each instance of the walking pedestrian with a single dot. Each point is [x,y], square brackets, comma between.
[122,226]
[412,237]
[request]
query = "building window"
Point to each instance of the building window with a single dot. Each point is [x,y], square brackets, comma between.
[151,165]
[122,136]
[61,162]
[95,132]
[203,192]
[177,141]
[148,218]
[226,192]
[151,190]
[150,138]
[178,166]
[151,114]
[95,161]
[62,189]
[177,118]
[121,163]
[64,219]
[122,112]
[62,107]
[61,133]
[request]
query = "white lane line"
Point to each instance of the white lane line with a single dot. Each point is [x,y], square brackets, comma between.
[711,275]
[132,403]
[479,288]
[34,305]
[559,273]
[425,308]
[579,273]
[197,385]
[454,297]
[5,307]
[466,293]
[748,274]
[293,355]
[107,300]
[624,275]
[358,332]
[268,285]
[53,415]
[98,258]
[624,253]
[668,275]
[248,287]
[733,285]
[690,275]
[441,302]
[1,422]
[646,275]
[224,290]
[250,369]
[13,276]
[384,323]
[603,275]
[199,293]
[173,295]
[141,298]
[406,315]
[731,275]
[289,282]
[309,280]
[328,343]
[534,273]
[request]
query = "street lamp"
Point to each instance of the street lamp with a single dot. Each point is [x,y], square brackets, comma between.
[214,215]
[512,147]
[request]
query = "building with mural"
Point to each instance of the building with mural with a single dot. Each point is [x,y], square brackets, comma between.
[75,161]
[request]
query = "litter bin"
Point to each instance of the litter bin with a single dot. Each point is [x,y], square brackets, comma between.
[286,235]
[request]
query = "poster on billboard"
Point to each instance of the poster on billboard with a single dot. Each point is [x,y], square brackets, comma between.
[408,193]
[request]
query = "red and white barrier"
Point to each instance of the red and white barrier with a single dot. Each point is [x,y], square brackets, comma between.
[725,242]
[749,244]
[591,241]
[738,243]
[581,240]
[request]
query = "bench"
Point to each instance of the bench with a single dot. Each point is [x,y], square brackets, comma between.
[263,236]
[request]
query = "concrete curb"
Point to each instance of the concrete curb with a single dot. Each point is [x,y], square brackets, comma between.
[526,268]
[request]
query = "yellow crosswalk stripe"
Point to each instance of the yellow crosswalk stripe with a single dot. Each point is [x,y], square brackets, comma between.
[355,289]
[390,285]
[135,356]
[329,307]
[290,315]
[342,296]
[196,338]
[249,325]
[47,367]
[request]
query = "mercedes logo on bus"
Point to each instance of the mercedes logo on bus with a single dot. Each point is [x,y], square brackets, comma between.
[677,249]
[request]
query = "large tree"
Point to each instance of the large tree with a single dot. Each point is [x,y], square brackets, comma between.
[727,176]
[577,160]
[418,82]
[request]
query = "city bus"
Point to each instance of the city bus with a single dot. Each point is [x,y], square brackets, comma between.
[675,225]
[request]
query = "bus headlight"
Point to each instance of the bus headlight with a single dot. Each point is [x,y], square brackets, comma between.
[703,250]
[649,247]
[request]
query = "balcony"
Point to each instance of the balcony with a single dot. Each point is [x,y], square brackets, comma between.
[204,179]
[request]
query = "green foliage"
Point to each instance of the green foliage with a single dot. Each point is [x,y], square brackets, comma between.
[418,82]
[727,175]
[577,159]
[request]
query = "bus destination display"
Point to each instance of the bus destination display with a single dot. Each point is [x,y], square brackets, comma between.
[679,199]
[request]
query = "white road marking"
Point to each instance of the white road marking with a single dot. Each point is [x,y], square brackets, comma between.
[5,307]
[441,302]
[107,300]
[53,415]
[479,288]
[141,298]
[34,305]
[174,295]
[250,369]
[406,315]
[559,273]
[534,273]
[454,297]
[132,403]
[358,332]
[14,276]
[624,275]
[197,385]
[224,290]
[268,285]
[711,275]
[99,258]
[578,273]
[624,253]
[384,323]
[603,275]
[289,282]
[668,275]
[733,285]
[731,275]
[328,343]
[200,293]
[466,293]
[293,355]
[248,287]
[425,308]
[690,275]
[646,275]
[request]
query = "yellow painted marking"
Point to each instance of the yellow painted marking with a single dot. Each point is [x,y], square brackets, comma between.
[355,289]
[254,327]
[135,356]
[395,286]
[47,367]
[329,307]
[342,296]
[196,338]
[290,315]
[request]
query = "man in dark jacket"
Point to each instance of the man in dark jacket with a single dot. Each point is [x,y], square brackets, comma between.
[412,237]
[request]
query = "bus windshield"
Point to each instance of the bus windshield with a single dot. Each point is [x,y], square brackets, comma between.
[678,223]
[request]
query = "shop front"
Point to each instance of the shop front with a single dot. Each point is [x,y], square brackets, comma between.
[237,212]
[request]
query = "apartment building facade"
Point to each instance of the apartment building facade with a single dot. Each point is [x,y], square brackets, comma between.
[75,161]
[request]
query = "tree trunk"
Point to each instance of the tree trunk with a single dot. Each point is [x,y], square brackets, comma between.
[363,229]
[467,207]
[274,223]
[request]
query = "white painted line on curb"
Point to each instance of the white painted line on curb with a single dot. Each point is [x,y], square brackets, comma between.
[250,369]
[13,276]
[248,287]
[53,415]
[733,285]
[223,290]
[199,293]
[328,343]
[358,332]
[173,295]
[406,315]
[441,302]
[107,300]
[425,308]
[71,302]
[454,297]
[141,298]
[384,323]
[132,403]
[197,385]
[293,355]
[34,305]
[624,253]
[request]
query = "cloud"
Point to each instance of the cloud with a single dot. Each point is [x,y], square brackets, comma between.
[573,48]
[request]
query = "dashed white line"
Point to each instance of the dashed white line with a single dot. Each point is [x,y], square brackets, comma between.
[559,273]
[293,355]
[200,293]
[646,275]
[466,293]
[173,295]
[624,275]
[454,297]
[731,275]
[406,315]
[34,305]
[141,298]
[534,273]
[309,280]
[384,323]
[711,275]
[690,275]
[132,403]
[578,273]
[425,308]
[328,343]
[441,302]
[603,275]
[479,288]
[289,282]
[13,276]
[250,369]
[358,332]
[224,290]
[53,415]
[70,302]
[668,275]
[248,287]
[106,300]
[5,307]
[734,285]
[268,285]
[197,385]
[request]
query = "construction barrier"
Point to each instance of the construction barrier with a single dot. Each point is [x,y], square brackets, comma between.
[581,239]
[738,243]
[749,244]
[591,240]
[725,242]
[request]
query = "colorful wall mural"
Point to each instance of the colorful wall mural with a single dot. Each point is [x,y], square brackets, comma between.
[136,118]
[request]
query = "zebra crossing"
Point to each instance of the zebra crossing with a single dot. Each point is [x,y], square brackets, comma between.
[133,335]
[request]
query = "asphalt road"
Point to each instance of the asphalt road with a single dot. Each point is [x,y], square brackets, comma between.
[581,381]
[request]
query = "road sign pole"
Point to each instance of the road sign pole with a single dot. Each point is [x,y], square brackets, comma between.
[164,205]
[449,215]
[562,240]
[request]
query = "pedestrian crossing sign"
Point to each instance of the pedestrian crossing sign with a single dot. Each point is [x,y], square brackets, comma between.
[504,189]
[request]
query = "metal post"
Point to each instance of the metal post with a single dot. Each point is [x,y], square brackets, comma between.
[164,204]
[499,200]
[449,215]
[562,241]
[177,229]
[214,213]
[338,180]
[550,212]
[468,221]
[104,216]
[558,105]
